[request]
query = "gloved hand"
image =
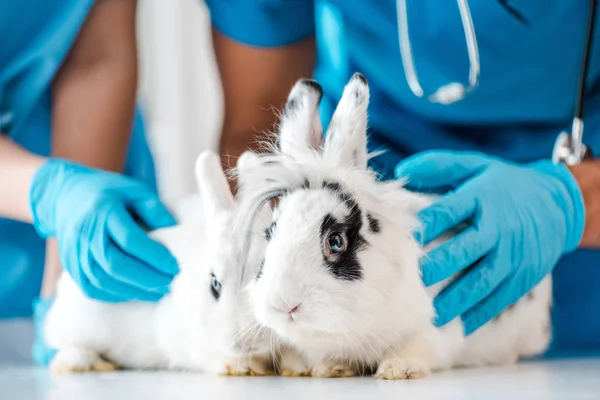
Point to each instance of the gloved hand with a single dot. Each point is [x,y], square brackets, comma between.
[42,354]
[520,220]
[101,246]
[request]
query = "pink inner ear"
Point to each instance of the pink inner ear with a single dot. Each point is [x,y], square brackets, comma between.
[316,137]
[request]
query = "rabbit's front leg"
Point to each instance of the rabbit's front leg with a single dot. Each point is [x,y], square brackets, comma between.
[333,368]
[290,363]
[413,359]
[257,365]
[76,360]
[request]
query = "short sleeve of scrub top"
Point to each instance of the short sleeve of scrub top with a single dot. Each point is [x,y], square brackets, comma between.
[263,23]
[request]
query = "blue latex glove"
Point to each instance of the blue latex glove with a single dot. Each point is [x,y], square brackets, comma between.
[41,353]
[520,220]
[100,244]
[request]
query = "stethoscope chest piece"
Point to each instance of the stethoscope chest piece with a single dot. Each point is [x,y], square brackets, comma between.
[567,152]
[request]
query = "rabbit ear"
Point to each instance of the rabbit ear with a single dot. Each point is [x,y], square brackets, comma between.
[346,138]
[300,129]
[212,182]
[247,161]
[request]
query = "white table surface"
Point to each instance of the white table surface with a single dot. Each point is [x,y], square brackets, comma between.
[553,379]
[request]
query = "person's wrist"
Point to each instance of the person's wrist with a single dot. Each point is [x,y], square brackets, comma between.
[44,193]
[569,197]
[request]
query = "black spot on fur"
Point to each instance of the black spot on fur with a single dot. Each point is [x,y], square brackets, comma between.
[291,106]
[260,269]
[346,265]
[359,97]
[306,184]
[314,86]
[373,224]
[332,129]
[335,187]
[269,231]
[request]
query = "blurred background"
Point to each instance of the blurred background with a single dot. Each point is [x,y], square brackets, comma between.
[179,89]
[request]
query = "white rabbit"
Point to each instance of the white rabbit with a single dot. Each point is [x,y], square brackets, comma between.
[340,281]
[204,323]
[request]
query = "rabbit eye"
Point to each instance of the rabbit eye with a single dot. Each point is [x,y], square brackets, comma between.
[336,243]
[215,287]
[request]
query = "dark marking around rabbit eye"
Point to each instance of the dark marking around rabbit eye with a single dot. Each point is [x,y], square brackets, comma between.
[260,269]
[215,287]
[269,231]
[341,240]
[373,224]
[270,162]
[336,188]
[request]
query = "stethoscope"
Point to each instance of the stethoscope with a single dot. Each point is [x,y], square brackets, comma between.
[568,148]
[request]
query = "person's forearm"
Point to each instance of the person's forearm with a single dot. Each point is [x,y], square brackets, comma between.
[94,130]
[17,169]
[94,91]
[587,175]
[256,82]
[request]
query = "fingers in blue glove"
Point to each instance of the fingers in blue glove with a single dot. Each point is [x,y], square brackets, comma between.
[100,285]
[434,169]
[151,210]
[132,271]
[458,253]
[136,243]
[468,290]
[445,214]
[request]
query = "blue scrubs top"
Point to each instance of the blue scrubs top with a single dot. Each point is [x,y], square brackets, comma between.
[36,37]
[530,54]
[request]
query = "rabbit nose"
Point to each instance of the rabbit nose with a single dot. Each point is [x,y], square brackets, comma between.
[286,309]
[294,309]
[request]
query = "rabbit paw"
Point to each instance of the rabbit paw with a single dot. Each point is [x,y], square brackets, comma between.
[399,368]
[248,366]
[73,360]
[291,364]
[332,369]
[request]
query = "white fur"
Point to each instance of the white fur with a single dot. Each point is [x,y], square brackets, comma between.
[383,321]
[187,329]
